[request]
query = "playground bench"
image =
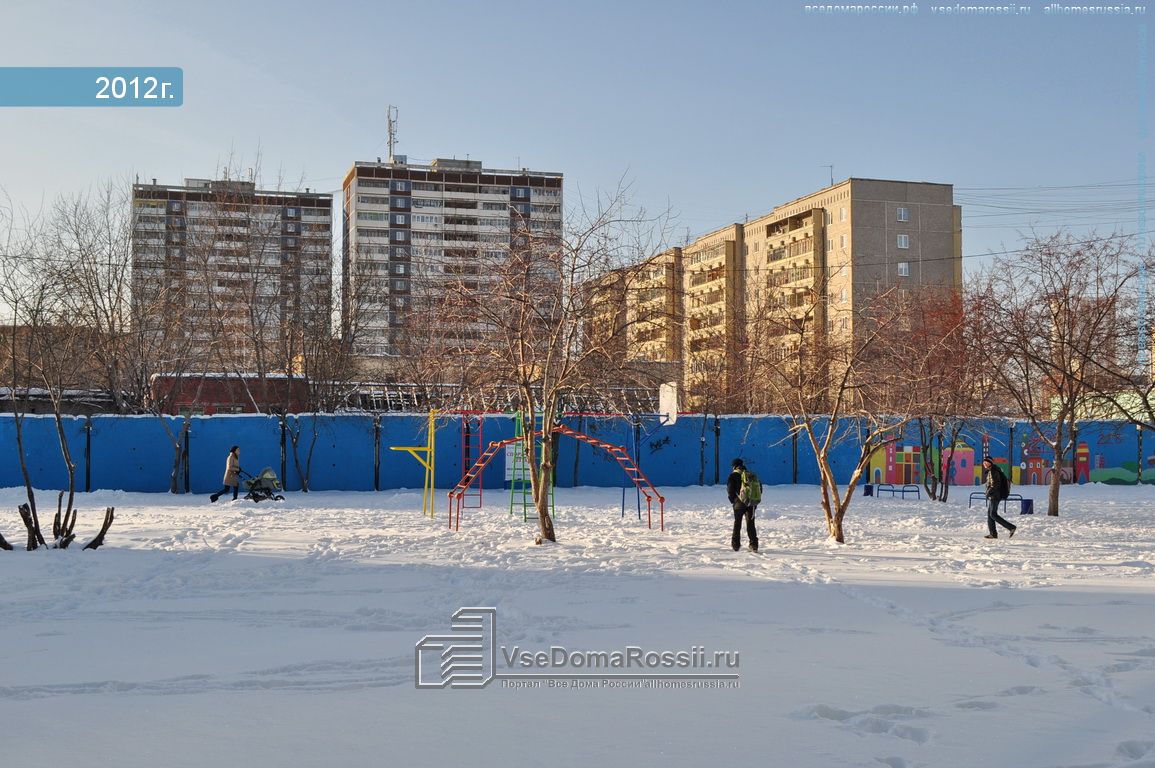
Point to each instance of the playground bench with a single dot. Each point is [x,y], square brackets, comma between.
[900,492]
[1026,506]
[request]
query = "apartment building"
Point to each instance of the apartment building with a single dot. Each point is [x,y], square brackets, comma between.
[414,233]
[712,287]
[826,253]
[654,312]
[636,319]
[241,273]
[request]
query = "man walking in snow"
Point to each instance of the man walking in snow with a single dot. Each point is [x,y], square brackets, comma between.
[742,508]
[998,488]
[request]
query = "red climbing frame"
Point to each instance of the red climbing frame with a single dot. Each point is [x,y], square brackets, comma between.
[471,444]
[621,455]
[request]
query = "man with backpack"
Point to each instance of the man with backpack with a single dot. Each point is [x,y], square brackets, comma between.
[744,491]
[998,489]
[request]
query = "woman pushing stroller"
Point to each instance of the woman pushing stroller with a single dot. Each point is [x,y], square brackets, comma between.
[232,474]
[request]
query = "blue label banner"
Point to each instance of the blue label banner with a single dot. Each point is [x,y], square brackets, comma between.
[91,86]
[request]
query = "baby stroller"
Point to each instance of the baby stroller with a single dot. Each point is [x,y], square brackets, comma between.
[264,486]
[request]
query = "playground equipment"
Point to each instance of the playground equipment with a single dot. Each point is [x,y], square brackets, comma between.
[620,454]
[519,468]
[472,423]
[426,456]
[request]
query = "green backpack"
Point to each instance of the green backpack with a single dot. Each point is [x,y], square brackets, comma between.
[751,490]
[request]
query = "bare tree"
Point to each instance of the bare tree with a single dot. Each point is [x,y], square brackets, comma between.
[532,320]
[25,299]
[44,352]
[1122,385]
[89,259]
[840,383]
[952,393]
[1049,318]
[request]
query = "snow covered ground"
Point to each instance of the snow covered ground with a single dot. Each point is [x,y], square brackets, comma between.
[283,634]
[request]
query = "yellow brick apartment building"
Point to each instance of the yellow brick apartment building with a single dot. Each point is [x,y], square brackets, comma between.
[847,242]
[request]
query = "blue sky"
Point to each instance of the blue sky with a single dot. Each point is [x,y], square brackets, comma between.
[716,109]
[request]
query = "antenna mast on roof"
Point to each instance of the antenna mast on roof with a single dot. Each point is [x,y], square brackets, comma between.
[391,126]
[831,167]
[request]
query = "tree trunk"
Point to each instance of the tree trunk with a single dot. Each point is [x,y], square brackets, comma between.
[18,428]
[945,462]
[545,520]
[65,453]
[177,442]
[834,525]
[32,526]
[542,489]
[173,485]
[1053,491]
[832,506]
[98,541]
[303,470]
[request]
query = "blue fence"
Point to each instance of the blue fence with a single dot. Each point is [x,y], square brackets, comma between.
[352,452]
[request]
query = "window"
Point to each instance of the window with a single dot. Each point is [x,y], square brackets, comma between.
[830,244]
[904,241]
[828,218]
[904,269]
[399,185]
[397,269]
[400,218]
[842,241]
[842,295]
[842,214]
[903,214]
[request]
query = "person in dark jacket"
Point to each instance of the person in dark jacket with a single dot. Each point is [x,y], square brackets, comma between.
[742,510]
[232,474]
[997,489]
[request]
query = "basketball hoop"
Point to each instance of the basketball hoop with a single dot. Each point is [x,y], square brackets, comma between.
[668,403]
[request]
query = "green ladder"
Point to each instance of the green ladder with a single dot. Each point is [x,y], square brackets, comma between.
[520,483]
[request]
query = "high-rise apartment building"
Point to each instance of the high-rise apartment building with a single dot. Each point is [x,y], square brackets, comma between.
[863,236]
[412,233]
[712,283]
[844,245]
[242,273]
[654,312]
[635,320]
